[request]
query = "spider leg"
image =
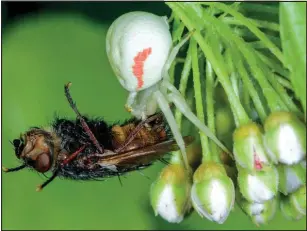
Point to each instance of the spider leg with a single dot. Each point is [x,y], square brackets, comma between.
[183,107]
[130,101]
[173,55]
[163,104]
[170,60]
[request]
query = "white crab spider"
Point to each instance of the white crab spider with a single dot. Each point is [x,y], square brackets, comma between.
[139,48]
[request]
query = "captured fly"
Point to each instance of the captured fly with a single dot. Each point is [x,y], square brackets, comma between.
[90,149]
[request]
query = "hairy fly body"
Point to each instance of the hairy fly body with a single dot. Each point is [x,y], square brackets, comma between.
[90,149]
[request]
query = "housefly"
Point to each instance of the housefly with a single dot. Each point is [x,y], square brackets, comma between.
[90,149]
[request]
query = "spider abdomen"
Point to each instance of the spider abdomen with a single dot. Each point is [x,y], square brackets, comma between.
[138,45]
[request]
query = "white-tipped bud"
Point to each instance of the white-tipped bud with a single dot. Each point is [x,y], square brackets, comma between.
[248,148]
[267,213]
[289,210]
[260,213]
[259,186]
[298,200]
[170,193]
[285,138]
[212,192]
[291,177]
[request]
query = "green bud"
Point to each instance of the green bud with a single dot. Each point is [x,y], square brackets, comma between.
[260,213]
[248,148]
[213,192]
[298,200]
[258,186]
[288,210]
[170,193]
[291,177]
[285,138]
[267,213]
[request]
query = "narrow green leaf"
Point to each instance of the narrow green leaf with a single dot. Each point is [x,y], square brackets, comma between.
[293,38]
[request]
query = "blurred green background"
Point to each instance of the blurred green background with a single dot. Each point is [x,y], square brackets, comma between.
[41,51]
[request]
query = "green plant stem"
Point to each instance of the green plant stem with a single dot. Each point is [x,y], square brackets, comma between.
[178,29]
[285,83]
[246,99]
[253,28]
[250,88]
[210,108]
[275,66]
[259,8]
[198,101]
[259,23]
[249,36]
[274,101]
[283,95]
[219,67]
[257,45]
[234,5]
[176,156]
[172,72]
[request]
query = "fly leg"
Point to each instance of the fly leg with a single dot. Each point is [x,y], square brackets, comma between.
[14,169]
[84,124]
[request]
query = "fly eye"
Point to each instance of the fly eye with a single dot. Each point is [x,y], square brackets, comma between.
[43,163]
[16,143]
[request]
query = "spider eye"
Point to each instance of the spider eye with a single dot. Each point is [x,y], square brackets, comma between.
[43,162]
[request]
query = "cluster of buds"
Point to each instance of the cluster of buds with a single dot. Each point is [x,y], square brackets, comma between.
[270,162]
[285,141]
[266,176]
[212,194]
[257,176]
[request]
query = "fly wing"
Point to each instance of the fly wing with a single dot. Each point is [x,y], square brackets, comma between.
[142,156]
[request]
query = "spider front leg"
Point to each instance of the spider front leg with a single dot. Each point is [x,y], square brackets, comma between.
[183,107]
[173,55]
[130,101]
[164,106]
[142,104]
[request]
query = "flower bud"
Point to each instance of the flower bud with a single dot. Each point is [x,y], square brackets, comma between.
[267,213]
[291,177]
[259,186]
[260,213]
[248,148]
[170,193]
[288,210]
[298,200]
[285,138]
[213,192]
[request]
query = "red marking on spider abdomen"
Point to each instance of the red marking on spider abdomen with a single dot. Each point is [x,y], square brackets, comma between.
[138,67]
